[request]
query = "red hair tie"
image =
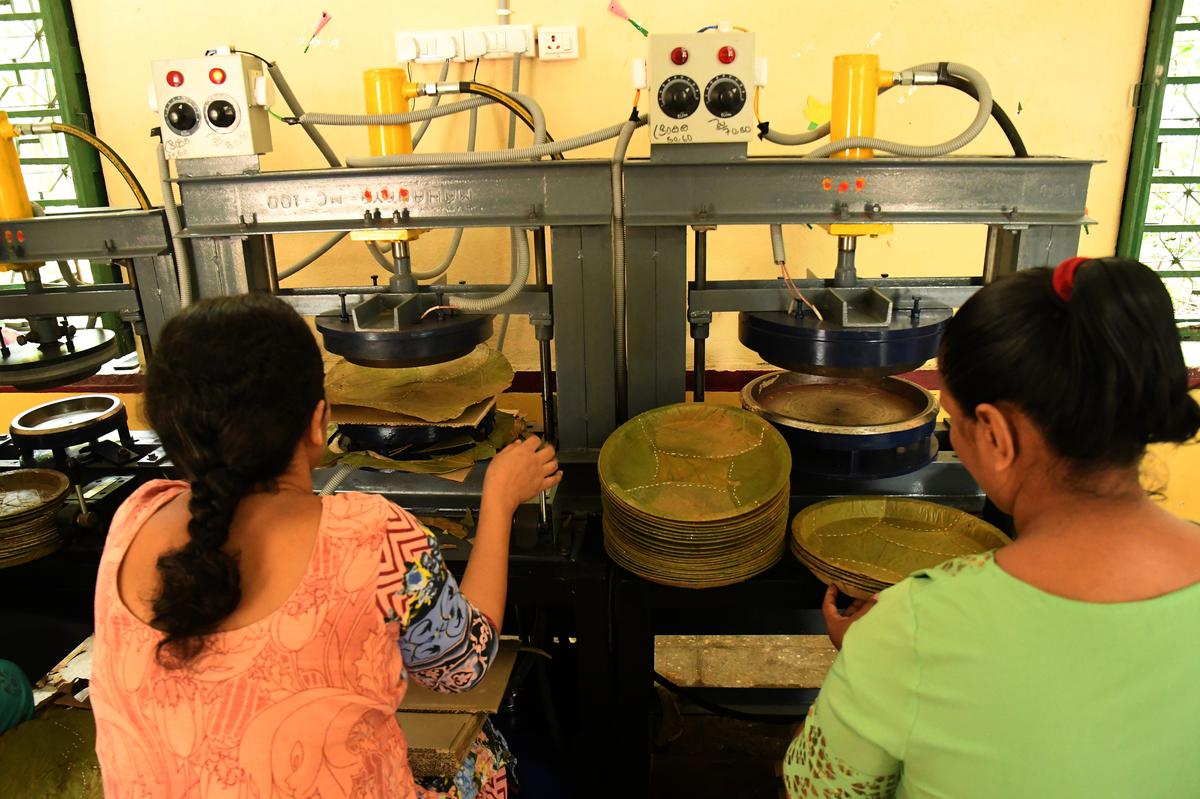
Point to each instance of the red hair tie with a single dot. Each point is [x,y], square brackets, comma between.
[1064,277]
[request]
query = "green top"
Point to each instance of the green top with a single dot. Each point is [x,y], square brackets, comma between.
[964,681]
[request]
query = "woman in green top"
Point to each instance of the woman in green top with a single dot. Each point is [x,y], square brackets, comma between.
[1068,663]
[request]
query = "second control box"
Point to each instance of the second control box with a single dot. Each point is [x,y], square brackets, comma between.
[212,106]
[701,87]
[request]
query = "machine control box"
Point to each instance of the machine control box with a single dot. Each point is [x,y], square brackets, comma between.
[701,87]
[213,106]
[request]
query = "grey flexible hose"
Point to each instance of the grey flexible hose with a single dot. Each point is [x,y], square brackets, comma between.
[405,118]
[519,276]
[618,202]
[336,479]
[792,139]
[982,115]
[325,247]
[437,100]
[492,156]
[67,275]
[456,239]
[516,87]
[777,250]
[297,110]
[183,261]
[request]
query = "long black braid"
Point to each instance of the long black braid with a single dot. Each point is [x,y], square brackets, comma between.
[231,389]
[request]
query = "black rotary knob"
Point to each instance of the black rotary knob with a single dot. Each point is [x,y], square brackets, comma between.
[724,96]
[679,96]
[181,117]
[221,113]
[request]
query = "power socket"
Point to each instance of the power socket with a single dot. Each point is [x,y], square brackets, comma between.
[558,43]
[497,41]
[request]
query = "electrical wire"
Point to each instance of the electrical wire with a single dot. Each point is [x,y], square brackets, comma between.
[247,52]
[757,115]
[708,28]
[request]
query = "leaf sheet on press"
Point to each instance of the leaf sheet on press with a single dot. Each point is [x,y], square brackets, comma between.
[506,429]
[434,393]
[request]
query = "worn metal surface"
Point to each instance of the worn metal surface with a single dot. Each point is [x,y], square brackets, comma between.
[1001,191]
[83,301]
[771,295]
[656,316]
[100,235]
[990,191]
[583,339]
[495,195]
[314,302]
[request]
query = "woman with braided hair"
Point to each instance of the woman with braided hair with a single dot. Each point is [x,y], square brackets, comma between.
[253,639]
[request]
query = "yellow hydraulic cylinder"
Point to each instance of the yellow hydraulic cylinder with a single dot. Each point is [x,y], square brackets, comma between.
[14,198]
[388,91]
[857,80]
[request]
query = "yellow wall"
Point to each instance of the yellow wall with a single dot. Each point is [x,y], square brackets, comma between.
[1063,70]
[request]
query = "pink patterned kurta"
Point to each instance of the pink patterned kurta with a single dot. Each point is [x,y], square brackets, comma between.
[302,702]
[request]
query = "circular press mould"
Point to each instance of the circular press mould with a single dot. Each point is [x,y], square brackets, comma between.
[803,343]
[845,427]
[70,421]
[388,331]
[31,366]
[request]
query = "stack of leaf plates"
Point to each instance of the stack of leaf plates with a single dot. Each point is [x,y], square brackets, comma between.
[695,496]
[29,502]
[865,544]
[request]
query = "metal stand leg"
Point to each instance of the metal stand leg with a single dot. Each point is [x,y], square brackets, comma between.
[699,329]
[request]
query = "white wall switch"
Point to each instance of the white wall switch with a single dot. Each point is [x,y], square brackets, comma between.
[429,47]
[558,42]
[497,41]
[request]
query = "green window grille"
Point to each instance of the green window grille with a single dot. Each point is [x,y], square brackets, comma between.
[42,80]
[1160,222]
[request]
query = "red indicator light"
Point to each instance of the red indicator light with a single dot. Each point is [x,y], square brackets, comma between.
[827,184]
[8,236]
[216,75]
[679,56]
[367,195]
[404,194]
[843,186]
[20,237]
[174,78]
[860,184]
[726,55]
[384,194]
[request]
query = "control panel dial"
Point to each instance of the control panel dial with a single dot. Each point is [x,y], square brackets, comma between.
[182,116]
[679,96]
[725,96]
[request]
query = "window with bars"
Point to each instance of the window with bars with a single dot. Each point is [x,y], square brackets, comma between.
[42,80]
[1160,223]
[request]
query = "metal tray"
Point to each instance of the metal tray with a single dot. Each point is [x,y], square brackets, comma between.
[66,415]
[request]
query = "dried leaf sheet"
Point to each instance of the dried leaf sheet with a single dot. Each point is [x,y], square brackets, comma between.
[507,428]
[433,393]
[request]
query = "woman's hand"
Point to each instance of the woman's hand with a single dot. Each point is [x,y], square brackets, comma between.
[839,621]
[520,472]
